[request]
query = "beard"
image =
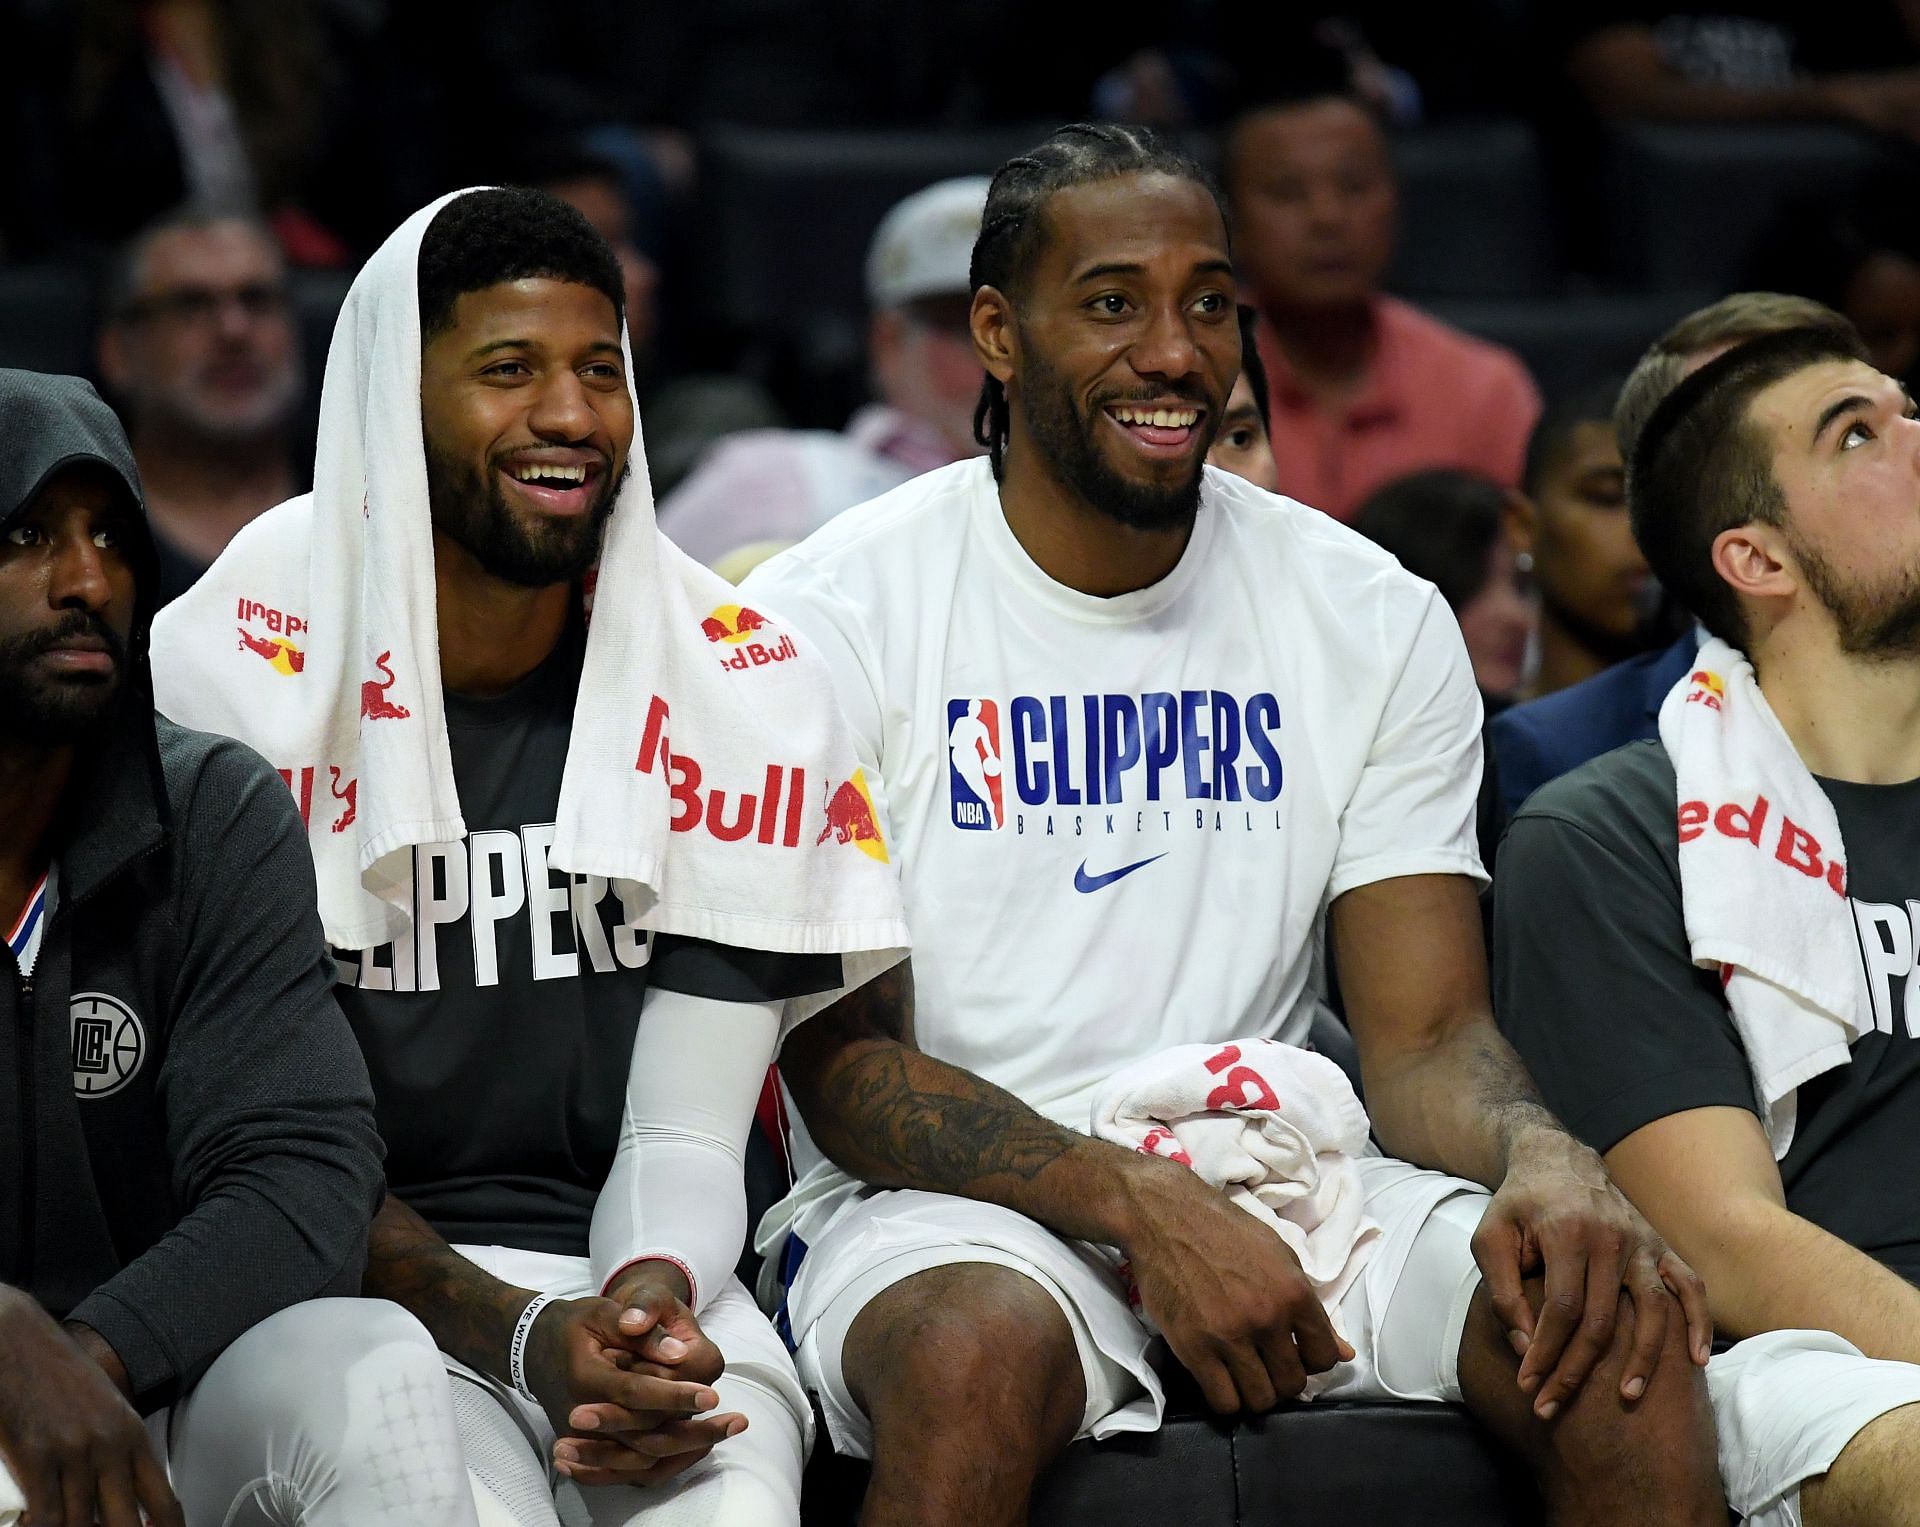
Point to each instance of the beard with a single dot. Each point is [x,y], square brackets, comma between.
[1873,620]
[1064,435]
[63,709]
[472,509]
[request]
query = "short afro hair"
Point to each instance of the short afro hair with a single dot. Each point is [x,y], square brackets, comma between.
[509,233]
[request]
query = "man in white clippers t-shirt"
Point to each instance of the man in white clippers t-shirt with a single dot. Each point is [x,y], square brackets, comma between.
[1138,731]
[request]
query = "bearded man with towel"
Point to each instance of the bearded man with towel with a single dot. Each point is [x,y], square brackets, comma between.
[586,850]
[1705,944]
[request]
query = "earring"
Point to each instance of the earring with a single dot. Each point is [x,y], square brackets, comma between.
[1523,562]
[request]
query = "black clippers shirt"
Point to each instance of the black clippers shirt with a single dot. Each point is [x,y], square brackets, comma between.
[499,1033]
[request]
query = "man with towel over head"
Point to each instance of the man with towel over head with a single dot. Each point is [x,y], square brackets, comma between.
[573,812]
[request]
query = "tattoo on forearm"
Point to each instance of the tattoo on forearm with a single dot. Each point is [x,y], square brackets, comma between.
[469,1311]
[918,1122]
[894,1116]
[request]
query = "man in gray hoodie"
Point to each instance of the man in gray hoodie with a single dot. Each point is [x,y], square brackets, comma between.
[184,1116]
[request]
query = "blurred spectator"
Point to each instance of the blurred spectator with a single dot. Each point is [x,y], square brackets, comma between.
[1450,528]
[1365,388]
[1599,602]
[1242,447]
[1862,260]
[219,104]
[1746,61]
[621,195]
[595,188]
[763,490]
[1545,738]
[200,352]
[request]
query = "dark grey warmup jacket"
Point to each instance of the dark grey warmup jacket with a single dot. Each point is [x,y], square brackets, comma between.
[186,1126]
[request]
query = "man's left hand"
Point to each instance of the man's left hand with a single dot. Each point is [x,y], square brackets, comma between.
[1558,1213]
[610,1444]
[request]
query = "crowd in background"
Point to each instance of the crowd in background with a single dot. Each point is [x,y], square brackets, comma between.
[198,155]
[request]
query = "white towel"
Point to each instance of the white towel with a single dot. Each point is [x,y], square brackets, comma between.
[1277,1127]
[708,765]
[1763,883]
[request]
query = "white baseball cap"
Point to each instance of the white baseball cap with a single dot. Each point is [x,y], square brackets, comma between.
[924,245]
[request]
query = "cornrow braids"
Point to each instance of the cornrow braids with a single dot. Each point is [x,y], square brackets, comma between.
[1012,228]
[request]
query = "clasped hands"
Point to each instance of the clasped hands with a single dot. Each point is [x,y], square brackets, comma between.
[626,1381]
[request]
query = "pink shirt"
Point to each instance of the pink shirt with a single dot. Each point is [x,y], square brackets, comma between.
[1435,397]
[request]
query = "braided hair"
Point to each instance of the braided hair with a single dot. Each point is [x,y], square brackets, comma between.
[1012,231]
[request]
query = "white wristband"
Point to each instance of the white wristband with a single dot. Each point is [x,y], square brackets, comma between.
[517,1353]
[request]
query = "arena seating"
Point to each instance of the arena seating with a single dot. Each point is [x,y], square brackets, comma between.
[1687,203]
[1568,341]
[780,259]
[46,318]
[1303,1466]
[1474,218]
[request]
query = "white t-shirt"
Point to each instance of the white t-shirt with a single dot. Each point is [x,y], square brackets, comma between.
[1119,822]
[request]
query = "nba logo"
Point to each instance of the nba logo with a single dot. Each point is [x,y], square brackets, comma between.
[973,764]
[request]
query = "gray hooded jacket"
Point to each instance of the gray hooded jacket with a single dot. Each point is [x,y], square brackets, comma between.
[186,1128]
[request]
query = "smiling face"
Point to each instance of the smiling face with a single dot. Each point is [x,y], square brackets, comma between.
[528,423]
[1121,348]
[67,592]
[1846,457]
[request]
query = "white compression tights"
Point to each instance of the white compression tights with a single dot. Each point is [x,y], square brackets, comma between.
[752,1480]
[332,1413]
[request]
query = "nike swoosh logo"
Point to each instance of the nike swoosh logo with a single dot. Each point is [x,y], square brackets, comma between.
[1083,882]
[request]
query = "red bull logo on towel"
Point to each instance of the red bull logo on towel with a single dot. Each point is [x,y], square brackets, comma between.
[345,793]
[771,814]
[276,646]
[1707,688]
[1789,843]
[738,629]
[852,819]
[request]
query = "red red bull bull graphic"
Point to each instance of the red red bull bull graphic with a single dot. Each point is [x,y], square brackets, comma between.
[300,782]
[350,795]
[277,646]
[1706,688]
[975,765]
[374,704]
[747,637]
[773,814]
[852,819]
[1792,845]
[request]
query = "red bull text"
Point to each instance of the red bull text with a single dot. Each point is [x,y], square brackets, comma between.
[773,814]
